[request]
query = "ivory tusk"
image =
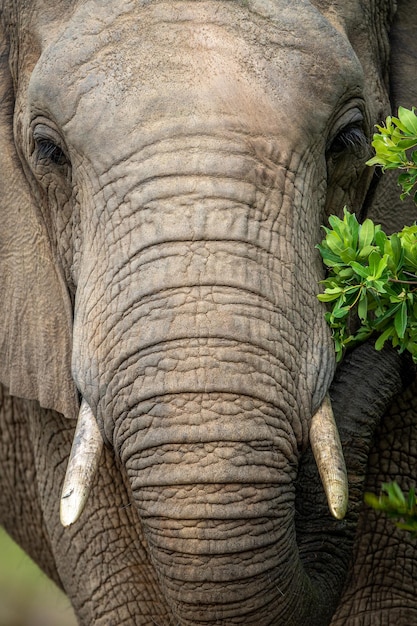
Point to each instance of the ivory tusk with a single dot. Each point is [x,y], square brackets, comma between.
[82,466]
[327,450]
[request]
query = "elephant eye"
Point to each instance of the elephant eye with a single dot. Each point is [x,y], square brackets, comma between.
[352,139]
[47,150]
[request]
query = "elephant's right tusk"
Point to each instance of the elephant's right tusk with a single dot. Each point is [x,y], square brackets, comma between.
[327,450]
[82,466]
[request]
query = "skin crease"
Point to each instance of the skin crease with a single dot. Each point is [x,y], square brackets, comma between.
[165,240]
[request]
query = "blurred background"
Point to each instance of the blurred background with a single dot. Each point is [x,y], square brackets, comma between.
[27,596]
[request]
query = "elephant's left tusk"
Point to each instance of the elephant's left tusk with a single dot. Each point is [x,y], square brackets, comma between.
[327,450]
[82,466]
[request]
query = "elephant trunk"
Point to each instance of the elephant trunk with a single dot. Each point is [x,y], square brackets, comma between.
[209,421]
[203,375]
[237,532]
[218,507]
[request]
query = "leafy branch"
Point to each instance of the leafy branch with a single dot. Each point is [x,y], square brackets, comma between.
[372,282]
[393,148]
[397,506]
[372,277]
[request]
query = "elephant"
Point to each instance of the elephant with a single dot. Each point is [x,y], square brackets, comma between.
[165,170]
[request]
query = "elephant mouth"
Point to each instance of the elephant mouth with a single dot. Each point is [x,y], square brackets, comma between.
[88,444]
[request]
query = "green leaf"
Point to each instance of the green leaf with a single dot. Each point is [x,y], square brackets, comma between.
[388,313]
[400,320]
[335,243]
[380,240]
[380,265]
[339,227]
[374,261]
[394,493]
[378,286]
[396,250]
[393,502]
[327,297]
[341,312]
[406,144]
[366,233]
[364,252]
[408,120]
[363,307]
[360,269]
[411,500]
[345,273]
[372,500]
[376,160]
[379,344]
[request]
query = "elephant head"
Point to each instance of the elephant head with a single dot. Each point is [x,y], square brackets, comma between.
[165,170]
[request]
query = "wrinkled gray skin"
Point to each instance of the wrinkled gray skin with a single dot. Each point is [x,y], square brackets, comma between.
[165,168]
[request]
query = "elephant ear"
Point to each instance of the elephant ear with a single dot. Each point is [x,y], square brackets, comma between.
[35,310]
[385,206]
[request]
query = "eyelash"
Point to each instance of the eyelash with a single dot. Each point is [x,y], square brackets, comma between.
[47,150]
[351,138]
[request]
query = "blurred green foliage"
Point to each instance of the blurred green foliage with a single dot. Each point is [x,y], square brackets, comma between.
[398,507]
[27,596]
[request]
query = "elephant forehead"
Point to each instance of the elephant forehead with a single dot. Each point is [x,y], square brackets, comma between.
[143,62]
